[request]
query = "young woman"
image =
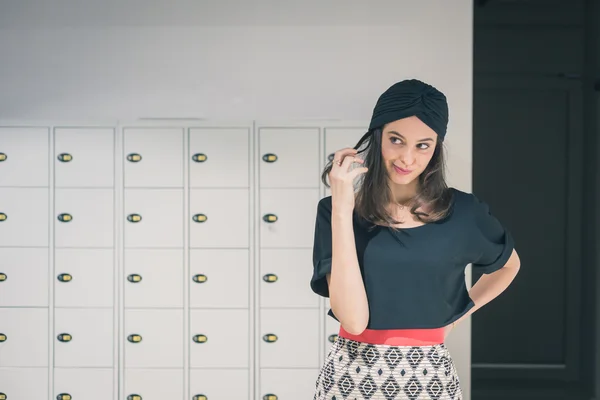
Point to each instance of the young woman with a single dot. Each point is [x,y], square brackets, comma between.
[390,252]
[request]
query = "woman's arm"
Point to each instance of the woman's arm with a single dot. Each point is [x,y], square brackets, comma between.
[347,293]
[489,286]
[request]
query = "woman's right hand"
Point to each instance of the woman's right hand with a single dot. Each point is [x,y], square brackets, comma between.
[341,179]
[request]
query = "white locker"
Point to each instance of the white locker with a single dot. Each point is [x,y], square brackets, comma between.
[24,156]
[284,279]
[153,338]
[288,384]
[153,157]
[83,337]
[219,157]
[24,383]
[289,338]
[153,384]
[84,218]
[24,217]
[219,339]
[153,218]
[219,278]
[289,157]
[332,330]
[340,138]
[153,278]
[24,275]
[84,278]
[219,218]
[84,157]
[23,337]
[83,383]
[220,384]
[287,217]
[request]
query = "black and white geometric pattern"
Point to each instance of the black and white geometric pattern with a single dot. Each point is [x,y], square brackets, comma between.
[363,371]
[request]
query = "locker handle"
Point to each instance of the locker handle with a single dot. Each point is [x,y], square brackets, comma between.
[270,278]
[65,278]
[333,338]
[3,217]
[2,337]
[134,157]
[64,157]
[199,157]
[200,338]
[64,217]
[200,218]
[270,218]
[2,395]
[64,396]
[269,157]
[269,396]
[134,218]
[3,157]
[64,337]
[134,278]
[3,277]
[270,338]
[200,278]
[134,397]
[134,338]
[200,397]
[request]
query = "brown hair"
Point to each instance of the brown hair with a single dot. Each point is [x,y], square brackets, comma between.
[374,193]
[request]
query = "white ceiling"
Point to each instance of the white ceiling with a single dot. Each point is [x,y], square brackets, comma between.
[31,14]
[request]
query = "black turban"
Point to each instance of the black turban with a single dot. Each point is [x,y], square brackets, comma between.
[412,97]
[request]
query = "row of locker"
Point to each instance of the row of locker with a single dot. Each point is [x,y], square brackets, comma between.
[218,278]
[154,217]
[154,157]
[155,338]
[156,384]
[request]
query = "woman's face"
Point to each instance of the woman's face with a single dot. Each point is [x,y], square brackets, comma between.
[407,145]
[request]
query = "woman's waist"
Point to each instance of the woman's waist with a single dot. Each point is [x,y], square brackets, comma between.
[398,337]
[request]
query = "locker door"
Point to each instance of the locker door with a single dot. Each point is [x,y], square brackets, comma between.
[23,337]
[152,271]
[220,218]
[24,383]
[83,337]
[84,278]
[284,277]
[84,217]
[153,384]
[83,383]
[339,138]
[84,157]
[24,277]
[220,338]
[332,329]
[219,157]
[287,217]
[289,157]
[288,384]
[224,384]
[24,217]
[219,278]
[24,156]
[289,338]
[154,338]
[153,218]
[153,157]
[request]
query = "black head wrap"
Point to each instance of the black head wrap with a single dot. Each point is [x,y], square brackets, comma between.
[412,97]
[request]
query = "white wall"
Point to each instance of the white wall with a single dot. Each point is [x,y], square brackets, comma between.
[67,60]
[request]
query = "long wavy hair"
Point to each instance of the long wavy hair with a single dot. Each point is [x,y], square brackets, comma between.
[373,191]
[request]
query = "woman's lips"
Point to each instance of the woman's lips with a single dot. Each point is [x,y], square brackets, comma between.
[402,171]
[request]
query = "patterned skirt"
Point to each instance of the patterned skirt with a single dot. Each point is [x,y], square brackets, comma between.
[363,371]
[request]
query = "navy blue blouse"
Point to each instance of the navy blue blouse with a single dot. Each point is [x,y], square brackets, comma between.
[415,277]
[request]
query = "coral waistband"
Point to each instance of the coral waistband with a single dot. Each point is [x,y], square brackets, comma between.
[398,337]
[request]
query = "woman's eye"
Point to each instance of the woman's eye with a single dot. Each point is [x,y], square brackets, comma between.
[394,138]
[426,146]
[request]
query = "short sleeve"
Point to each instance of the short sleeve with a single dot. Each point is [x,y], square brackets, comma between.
[493,242]
[322,248]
